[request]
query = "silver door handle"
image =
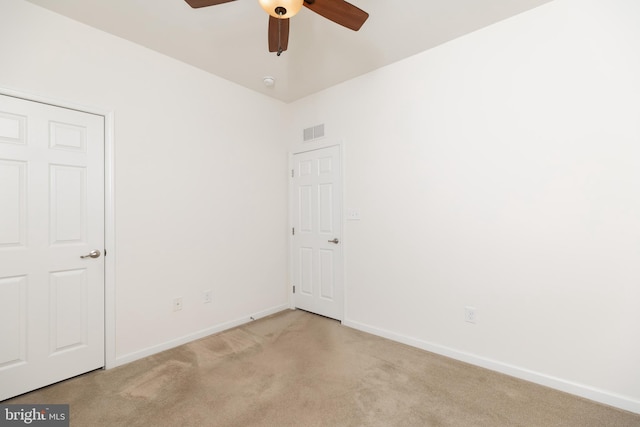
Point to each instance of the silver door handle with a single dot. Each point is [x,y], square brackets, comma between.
[335,241]
[93,254]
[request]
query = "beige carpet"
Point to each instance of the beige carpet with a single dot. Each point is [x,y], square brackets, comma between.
[298,369]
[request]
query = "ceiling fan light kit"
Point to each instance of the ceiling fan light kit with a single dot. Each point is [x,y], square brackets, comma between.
[281,9]
[338,11]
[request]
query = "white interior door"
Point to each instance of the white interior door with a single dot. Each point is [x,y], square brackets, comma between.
[52,213]
[317,232]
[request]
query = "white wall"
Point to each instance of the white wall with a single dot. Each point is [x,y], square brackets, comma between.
[501,171]
[497,171]
[200,176]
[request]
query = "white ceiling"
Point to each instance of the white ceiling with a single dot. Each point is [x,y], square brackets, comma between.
[230,40]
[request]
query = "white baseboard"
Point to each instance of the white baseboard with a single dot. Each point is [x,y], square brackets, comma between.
[130,357]
[602,396]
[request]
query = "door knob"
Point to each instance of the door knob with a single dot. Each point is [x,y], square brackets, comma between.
[335,241]
[93,254]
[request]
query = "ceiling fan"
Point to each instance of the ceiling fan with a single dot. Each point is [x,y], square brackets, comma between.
[338,11]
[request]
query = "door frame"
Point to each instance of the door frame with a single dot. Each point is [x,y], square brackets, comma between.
[109,211]
[299,149]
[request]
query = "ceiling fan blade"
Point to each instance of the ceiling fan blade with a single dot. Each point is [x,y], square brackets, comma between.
[340,12]
[278,34]
[204,3]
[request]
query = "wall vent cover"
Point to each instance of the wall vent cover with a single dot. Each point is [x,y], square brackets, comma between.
[314,132]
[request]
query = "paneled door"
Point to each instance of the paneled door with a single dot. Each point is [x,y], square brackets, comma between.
[317,232]
[51,244]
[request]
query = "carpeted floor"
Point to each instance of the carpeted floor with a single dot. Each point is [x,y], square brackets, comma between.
[299,369]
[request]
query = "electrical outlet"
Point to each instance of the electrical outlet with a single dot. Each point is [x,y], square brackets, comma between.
[353,214]
[206,296]
[177,304]
[470,314]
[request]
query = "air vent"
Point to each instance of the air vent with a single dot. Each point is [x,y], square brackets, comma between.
[307,134]
[318,131]
[315,132]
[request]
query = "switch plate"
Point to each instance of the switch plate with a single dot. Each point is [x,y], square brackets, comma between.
[177,304]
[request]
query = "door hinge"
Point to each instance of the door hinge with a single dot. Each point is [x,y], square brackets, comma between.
[292,173]
[293,231]
[294,289]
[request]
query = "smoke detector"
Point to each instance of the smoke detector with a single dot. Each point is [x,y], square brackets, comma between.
[268,81]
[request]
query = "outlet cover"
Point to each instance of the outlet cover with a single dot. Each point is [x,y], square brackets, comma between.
[353,214]
[470,314]
[206,296]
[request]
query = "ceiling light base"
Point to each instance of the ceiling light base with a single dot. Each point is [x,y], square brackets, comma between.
[274,7]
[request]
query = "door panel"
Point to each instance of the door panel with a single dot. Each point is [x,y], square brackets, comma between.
[68,310]
[306,270]
[68,204]
[327,276]
[52,198]
[12,128]
[13,310]
[13,190]
[325,208]
[305,219]
[67,136]
[317,269]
